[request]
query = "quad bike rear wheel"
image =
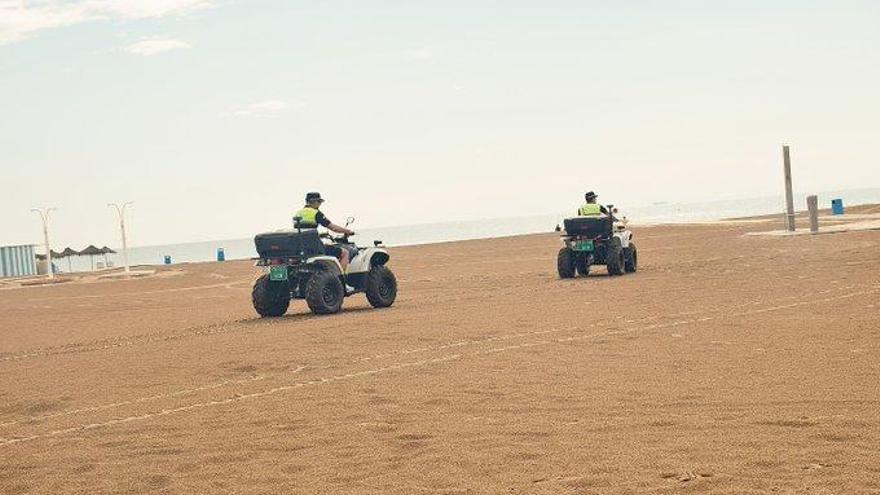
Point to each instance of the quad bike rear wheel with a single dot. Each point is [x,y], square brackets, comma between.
[565,263]
[381,287]
[324,293]
[582,264]
[270,298]
[631,259]
[614,258]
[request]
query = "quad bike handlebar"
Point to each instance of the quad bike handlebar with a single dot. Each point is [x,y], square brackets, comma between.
[341,238]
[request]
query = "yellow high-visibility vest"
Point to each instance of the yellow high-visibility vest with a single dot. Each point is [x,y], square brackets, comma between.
[590,210]
[308,218]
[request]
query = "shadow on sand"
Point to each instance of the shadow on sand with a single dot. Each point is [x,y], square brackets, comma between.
[306,315]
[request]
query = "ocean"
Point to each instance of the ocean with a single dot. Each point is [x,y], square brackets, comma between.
[409,235]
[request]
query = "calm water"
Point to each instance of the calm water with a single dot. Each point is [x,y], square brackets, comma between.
[457,231]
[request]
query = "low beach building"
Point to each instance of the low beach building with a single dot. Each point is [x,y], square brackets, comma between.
[18,261]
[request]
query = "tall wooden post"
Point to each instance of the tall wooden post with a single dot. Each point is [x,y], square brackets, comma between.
[789,197]
[813,207]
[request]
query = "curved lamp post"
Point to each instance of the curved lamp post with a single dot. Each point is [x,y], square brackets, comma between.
[44,216]
[120,210]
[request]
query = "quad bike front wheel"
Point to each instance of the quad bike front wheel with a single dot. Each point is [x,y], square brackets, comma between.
[324,293]
[381,287]
[565,263]
[614,259]
[631,259]
[270,298]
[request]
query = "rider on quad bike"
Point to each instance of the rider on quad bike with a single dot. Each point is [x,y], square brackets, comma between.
[304,264]
[310,216]
[591,209]
[596,237]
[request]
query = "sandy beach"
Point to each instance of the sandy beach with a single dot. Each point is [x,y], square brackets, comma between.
[729,364]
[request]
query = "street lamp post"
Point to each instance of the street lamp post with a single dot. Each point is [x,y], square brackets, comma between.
[44,216]
[120,210]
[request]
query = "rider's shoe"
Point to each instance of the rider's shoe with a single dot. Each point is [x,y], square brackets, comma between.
[349,290]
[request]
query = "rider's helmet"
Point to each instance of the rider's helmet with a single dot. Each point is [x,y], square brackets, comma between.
[591,196]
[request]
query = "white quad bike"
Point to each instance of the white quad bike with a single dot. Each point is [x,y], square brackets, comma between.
[296,267]
[596,240]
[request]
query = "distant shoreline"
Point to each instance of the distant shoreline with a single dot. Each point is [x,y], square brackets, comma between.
[441,233]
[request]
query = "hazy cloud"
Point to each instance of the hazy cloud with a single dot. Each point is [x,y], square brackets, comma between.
[419,54]
[261,108]
[20,20]
[155,45]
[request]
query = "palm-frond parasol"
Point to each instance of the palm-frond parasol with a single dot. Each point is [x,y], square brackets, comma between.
[105,250]
[91,252]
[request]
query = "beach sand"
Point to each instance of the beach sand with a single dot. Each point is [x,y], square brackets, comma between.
[729,364]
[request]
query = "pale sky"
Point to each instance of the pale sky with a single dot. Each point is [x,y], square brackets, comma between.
[216,116]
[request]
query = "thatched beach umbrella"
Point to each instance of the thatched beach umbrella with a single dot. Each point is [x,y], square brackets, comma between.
[68,253]
[105,251]
[91,252]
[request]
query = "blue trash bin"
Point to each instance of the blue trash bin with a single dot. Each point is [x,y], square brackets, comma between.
[221,255]
[167,259]
[837,206]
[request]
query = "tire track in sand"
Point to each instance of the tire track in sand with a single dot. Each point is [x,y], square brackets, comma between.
[131,341]
[167,395]
[5,442]
[403,352]
[145,339]
[218,402]
[228,285]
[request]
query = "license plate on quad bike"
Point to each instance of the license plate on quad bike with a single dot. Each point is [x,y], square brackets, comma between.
[586,246]
[278,273]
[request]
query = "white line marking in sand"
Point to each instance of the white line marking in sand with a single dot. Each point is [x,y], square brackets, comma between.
[155,291]
[463,343]
[336,378]
[222,327]
[228,400]
[595,325]
[176,393]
